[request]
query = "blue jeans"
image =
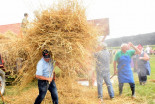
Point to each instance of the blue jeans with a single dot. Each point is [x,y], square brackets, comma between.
[43,87]
[106,77]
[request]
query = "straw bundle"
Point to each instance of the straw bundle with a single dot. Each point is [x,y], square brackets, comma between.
[6,37]
[63,29]
[2,36]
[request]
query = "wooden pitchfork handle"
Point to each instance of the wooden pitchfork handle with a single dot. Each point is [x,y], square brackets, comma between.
[52,72]
[110,78]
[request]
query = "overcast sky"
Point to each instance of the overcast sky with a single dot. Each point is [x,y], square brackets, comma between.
[126,17]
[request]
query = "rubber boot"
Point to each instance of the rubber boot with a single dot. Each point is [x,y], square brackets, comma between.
[120,88]
[132,86]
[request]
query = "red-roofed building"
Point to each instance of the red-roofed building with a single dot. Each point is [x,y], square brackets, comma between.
[101,24]
[10,27]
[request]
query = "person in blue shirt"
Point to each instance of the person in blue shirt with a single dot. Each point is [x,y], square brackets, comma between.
[44,74]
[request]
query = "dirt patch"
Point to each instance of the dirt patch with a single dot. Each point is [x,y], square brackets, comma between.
[153,80]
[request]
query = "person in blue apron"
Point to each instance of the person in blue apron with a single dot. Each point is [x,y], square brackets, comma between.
[123,59]
[142,66]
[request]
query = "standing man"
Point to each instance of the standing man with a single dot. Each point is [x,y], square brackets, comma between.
[123,59]
[44,74]
[103,71]
[24,25]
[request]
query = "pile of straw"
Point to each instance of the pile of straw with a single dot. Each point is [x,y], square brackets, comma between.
[2,37]
[71,93]
[63,29]
[6,37]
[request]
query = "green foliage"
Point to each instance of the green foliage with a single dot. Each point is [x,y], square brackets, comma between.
[57,71]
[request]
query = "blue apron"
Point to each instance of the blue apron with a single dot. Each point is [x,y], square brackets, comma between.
[125,74]
[148,68]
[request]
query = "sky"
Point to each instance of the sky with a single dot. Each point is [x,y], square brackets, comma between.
[126,17]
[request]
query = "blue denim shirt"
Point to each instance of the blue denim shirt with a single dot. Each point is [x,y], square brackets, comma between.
[44,68]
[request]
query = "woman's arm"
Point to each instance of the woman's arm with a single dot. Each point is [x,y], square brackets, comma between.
[146,57]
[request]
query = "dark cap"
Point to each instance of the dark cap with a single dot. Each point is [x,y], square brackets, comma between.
[46,54]
[25,14]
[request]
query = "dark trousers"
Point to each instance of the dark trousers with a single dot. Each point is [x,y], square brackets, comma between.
[43,87]
[132,86]
[142,78]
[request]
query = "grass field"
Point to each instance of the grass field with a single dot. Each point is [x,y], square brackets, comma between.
[144,94]
[147,92]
